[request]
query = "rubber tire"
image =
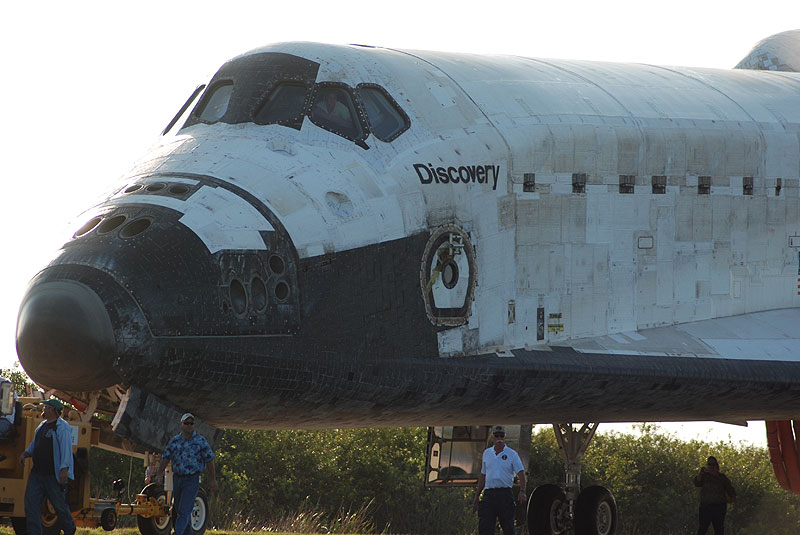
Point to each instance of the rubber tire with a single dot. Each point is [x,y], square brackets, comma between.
[154,525]
[199,520]
[108,519]
[50,522]
[20,525]
[595,512]
[540,509]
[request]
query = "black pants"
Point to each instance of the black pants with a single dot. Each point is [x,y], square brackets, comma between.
[496,504]
[713,513]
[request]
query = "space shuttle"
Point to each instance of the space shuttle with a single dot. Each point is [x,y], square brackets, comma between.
[335,236]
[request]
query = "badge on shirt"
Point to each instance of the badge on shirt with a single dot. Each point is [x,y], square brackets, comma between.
[504,457]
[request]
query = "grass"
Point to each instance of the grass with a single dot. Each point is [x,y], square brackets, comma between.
[7,530]
[307,520]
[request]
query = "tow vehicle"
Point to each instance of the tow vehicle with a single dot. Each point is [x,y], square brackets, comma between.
[151,505]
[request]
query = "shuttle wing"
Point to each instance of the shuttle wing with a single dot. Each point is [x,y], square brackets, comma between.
[725,369]
[765,336]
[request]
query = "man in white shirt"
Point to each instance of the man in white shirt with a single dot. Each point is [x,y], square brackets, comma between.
[500,465]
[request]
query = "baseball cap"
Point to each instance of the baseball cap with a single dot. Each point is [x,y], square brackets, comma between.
[56,404]
[186,416]
[498,429]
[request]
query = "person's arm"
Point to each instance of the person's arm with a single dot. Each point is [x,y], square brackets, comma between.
[162,465]
[29,450]
[481,484]
[522,486]
[729,490]
[698,479]
[207,455]
[212,477]
[64,464]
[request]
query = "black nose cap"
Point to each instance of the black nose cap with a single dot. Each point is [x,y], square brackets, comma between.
[65,339]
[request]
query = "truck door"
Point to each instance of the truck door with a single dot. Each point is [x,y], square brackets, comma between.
[455,452]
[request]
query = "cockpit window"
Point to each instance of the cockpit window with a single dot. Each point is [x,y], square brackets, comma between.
[215,103]
[284,105]
[334,110]
[182,114]
[386,119]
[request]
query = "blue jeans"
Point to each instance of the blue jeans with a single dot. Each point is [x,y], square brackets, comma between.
[184,492]
[39,487]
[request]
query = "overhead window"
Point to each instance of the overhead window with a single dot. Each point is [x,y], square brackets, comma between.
[386,119]
[215,103]
[704,185]
[529,182]
[284,105]
[659,184]
[747,185]
[627,183]
[578,182]
[334,110]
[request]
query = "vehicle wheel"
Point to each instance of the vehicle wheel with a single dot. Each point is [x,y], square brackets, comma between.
[595,512]
[199,519]
[108,519]
[156,525]
[50,525]
[20,525]
[545,511]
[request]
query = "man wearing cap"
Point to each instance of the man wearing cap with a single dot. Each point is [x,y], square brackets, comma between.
[500,464]
[51,449]
[190,454]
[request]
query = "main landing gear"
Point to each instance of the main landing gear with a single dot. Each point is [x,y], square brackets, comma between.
[591,511]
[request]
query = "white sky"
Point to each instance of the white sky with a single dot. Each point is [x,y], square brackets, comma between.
[89,85]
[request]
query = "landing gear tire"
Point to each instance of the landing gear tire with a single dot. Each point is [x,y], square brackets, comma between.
[155,525]
[595,512]
[545,511]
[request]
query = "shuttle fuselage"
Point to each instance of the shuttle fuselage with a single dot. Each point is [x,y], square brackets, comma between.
[356,236]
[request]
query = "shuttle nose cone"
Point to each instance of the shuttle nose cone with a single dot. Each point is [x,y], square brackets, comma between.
[64,337]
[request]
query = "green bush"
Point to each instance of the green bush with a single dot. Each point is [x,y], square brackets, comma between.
[371,481]
[271,474]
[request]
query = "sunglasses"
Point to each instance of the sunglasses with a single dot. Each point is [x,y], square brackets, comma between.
[499,435]
[189,422]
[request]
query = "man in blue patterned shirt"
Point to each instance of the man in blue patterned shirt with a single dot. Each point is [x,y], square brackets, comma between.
[190,454]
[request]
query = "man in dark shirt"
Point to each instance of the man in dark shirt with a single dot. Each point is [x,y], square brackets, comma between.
[716,491]
[51,449]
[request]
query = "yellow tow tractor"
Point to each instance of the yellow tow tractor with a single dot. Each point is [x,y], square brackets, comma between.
[151,506]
